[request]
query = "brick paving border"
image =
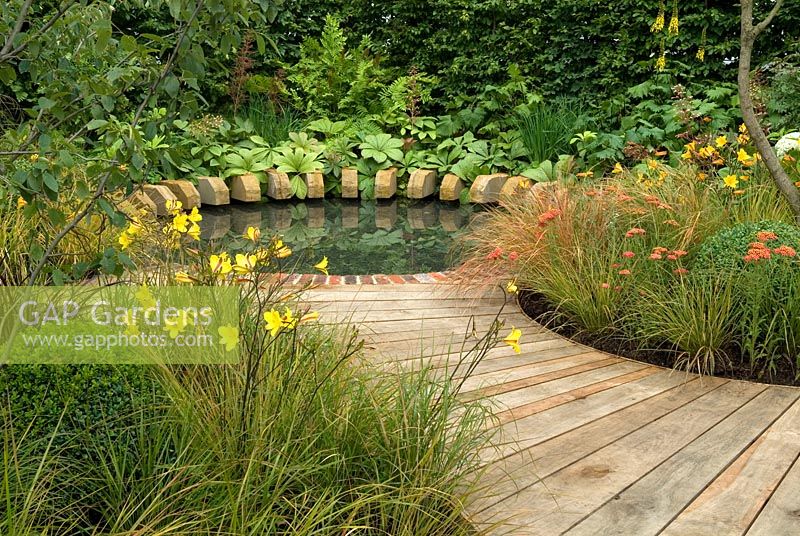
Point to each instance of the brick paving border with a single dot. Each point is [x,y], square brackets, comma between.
[376,279]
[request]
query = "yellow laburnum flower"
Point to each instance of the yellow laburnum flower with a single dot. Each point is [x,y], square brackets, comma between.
[229,336]
[511,287]
[617,168]
[220,264]
[253,233]
[245,264]
[274,321]
[322,265]
[21,202]
[512,339]
[194,231]
[183,277]
[731,181]
[721,141]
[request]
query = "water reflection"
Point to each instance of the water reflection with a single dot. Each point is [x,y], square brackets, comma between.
[397,236]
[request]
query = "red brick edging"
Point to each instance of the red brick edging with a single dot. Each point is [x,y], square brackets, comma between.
[377,279]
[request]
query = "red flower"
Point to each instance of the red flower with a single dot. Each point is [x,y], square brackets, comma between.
[513,256]
[656,256]
[785,251]
[634,232]
[680,253]
[628,254]
[624,272]
[766,236]
[680,271]
[548,216]
[660,250]
[605,285]
[616,265]
[495,254]
[672,257]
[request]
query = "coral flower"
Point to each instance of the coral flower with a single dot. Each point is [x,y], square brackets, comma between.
[513,256]
[605,285]
[680,271]
[624,272]
[628,254]
[656,256]
[766,236]
[495,254]
[785,251]
[634,232]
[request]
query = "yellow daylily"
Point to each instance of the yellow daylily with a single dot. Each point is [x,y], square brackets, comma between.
[195,216]
[245,264]
[322,265]
[175,327]
[309,317]
[274,321]
[512,339]
[511,287]
[145,297]
[617,168]
[253,233]
[721,141]
[731,181]
[220,264]
[125,240]
[194,231]
[183,277]
[180,222]
[744,158]
[21,202]
[174,206]
[229,336]
[289,320]
[281,251]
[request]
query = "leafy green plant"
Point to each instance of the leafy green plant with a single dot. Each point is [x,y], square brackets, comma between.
[241,161]
[546,129]
[297,162]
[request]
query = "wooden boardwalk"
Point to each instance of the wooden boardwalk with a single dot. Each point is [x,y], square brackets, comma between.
[591,443]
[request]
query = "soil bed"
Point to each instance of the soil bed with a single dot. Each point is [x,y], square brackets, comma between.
[537,307]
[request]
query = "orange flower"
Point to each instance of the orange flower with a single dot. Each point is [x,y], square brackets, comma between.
[624,272]
[605,285]
[656,256]
[680,271]
[680,253]
[628,254]
[634,231]
[766,236]
[495,254]
[785,251]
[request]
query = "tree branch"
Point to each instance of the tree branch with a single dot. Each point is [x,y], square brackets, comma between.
[39,32]
[23,13]
[761,26]
[101,186]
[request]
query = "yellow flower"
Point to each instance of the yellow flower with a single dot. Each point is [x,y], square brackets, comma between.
[229,336]
[512,339]
[194,231]
[34,157]
[144,297]
[122,168]
[731,181]
[183,277]
[701,54]
[220,264]
[288,320]
[322,265]
[617,168]
[743,128]
[125,240]
[282,251]
[176,326]
[21,202]
[524,184]
[195,216]
[309,317]
[673,24]
[652,164]
[661,63]
[721,141]
[745,158]
[180,222]
[701,176]
[707,151]
[253,233]
[245,263]
[585,174]
[658,24]
[511,287]
[274,321]
[174,206]
[742,139]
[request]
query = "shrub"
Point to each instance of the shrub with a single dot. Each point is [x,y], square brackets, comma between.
[726,250]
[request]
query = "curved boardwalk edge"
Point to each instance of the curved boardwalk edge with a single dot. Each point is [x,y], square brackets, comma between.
[592,443]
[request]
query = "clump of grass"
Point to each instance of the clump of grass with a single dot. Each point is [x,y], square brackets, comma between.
[270,122]
[546,130]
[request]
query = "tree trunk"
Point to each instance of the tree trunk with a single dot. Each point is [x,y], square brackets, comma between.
[747,39]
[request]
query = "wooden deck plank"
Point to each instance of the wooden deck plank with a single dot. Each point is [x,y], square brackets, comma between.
[731,503]
[651,503]
[574,431]
[589,442]
[559,501]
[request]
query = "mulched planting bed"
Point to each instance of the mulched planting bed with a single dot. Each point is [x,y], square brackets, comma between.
[537,307]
